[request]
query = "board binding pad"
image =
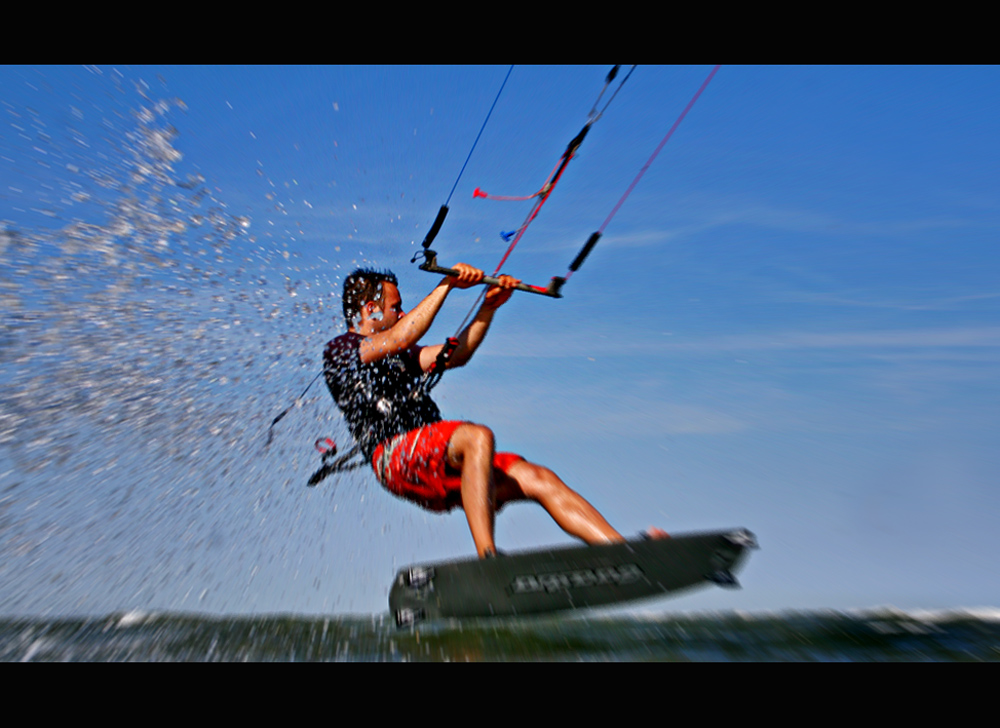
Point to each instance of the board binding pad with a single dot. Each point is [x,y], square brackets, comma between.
[574,577]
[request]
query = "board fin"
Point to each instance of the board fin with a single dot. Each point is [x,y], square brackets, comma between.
[724,578]
[742,538]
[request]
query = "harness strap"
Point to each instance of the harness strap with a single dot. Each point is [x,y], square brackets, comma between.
[339,465]
[433,375]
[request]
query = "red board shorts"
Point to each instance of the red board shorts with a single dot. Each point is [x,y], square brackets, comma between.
[414,466]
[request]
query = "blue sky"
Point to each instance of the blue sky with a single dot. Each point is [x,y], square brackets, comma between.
[789,326]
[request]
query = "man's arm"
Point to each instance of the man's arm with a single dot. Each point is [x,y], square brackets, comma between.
[473,334]
[409,330]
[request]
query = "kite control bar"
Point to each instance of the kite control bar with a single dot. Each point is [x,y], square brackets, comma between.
[430,265]
[555,285]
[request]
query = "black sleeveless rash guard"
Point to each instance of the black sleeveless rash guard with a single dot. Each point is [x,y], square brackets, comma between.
[380,399]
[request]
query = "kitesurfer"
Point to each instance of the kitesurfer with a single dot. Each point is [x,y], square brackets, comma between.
[377,374]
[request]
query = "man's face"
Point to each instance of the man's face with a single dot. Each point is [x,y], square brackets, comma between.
[391,310]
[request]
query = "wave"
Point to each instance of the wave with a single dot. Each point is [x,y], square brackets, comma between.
[879,634]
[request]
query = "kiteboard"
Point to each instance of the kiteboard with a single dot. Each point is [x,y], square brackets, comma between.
[575,577]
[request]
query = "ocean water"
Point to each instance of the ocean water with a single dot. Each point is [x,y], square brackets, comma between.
[877,635]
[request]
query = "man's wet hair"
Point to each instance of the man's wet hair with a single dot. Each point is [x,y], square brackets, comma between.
[363,285]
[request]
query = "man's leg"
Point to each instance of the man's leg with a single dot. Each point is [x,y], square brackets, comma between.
[470,450]
[527,481]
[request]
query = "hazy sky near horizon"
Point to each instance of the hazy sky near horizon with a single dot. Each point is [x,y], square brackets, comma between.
[791,325]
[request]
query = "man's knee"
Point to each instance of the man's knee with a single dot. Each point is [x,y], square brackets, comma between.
[535,480]
[470,438]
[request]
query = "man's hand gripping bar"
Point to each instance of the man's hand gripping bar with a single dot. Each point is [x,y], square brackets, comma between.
[430,265]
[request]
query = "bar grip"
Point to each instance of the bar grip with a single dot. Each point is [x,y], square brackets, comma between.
[438,221]
[585,251]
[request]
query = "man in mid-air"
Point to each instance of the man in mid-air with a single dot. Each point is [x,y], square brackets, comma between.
[376,374]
